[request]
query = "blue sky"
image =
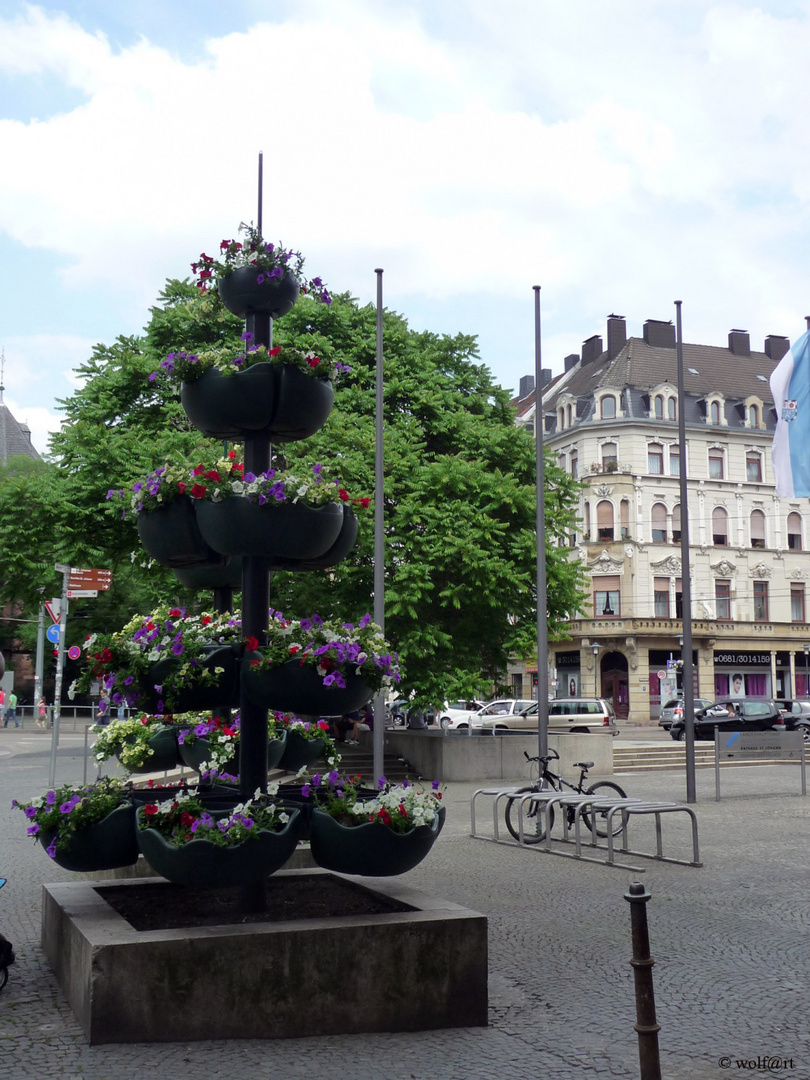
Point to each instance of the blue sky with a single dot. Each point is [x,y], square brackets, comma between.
[621,155]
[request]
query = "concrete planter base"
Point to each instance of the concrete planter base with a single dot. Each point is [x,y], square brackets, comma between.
[402,971]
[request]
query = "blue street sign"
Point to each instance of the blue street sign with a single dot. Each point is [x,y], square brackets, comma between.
[52,633]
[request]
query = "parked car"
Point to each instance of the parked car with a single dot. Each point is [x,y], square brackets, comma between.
[495,712]
[578,716]
[402,713]
[457,713]
[742,714]
[673,709]
[797,716]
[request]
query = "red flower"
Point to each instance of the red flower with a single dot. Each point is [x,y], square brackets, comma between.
[231,454]
[343,495]
[186,818]
[255,663]
[181,486]
[212,474]
[198,491]
[324,726]
[175,613]
[251,643]
[364,502]
[274,352]
[206,619]
[313,361]
[150,808]
[294,649]
[198,470]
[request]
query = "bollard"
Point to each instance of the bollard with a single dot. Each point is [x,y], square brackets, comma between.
[642,964]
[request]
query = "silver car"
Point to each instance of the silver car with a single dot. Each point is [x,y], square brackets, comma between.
[673,710]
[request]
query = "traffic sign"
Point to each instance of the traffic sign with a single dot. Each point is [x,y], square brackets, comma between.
[97,579]
[54,608]
[52,633]
[74,652]
[78,594]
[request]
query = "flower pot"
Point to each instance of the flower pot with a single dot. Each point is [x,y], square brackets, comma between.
[228,575]
[300,752]
[193,696]
[105,845]
[202,864]
[164,756]
[194,754]
[230,406]
[241,292]
[293,687]
[274,531]
[171,536]
[304,404]
[336,553]
[372,849]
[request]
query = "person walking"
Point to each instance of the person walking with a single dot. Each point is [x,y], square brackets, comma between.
[11,710]
[42,713]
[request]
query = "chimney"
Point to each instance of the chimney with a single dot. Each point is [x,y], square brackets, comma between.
[526,386]
[739,343]
[545,377]
[776,346]
[659,334]
[616,335]
[591,349]
[571,360]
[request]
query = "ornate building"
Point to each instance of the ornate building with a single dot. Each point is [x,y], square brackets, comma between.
[611,419]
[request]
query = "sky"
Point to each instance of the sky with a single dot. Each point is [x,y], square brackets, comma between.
[621,155]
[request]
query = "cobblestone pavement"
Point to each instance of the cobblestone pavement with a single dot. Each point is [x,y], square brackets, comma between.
[729,940]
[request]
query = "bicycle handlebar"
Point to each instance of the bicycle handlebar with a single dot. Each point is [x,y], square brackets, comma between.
[552,756]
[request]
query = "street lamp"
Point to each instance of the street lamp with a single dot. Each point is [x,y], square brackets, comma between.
[596,647]
[806,654]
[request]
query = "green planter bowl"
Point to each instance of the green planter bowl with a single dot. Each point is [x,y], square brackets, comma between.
[242,293]
[106,845]
[171,536]
[201,864]
[371,850]
[300,751]
[336,553]
[298,688]
[165,753]
[194,696]
[284,530]
[195,753]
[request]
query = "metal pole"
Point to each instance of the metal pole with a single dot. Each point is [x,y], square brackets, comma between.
[686,584]
[38,667]
[57,696]
[379,536]
[642,964]
[540,526]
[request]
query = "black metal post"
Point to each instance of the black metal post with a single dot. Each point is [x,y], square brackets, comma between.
[642,964]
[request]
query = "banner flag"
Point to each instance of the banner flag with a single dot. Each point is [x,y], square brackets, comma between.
[790,454]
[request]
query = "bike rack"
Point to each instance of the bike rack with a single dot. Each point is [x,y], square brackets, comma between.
[547,801]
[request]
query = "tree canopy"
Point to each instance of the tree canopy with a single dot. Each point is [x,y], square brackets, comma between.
[458,491]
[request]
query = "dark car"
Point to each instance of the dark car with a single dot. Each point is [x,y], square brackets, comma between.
[742,714]
[797,716]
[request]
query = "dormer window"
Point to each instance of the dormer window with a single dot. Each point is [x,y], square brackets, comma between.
[714,412]
[659,406]
[753,416]
[607,407]
[672,409]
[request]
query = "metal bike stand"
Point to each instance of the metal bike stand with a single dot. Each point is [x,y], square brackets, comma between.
[657,809]
[499,793]
[595,803]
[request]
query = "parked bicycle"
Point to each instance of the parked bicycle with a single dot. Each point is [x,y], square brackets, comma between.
[6,952]
[534,820]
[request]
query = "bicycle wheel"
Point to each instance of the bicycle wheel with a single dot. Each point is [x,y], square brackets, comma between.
[3,976]
[534,822]
[608,790]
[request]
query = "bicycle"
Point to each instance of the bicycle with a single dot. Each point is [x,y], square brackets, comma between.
[6,952]
[534,821]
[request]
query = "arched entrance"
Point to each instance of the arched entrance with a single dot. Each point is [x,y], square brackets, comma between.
[614,684]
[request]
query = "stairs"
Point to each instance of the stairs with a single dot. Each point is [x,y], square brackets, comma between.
[655,758]
[360,759]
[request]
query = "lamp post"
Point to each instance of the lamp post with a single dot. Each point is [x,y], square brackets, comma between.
[806,655]
[596,647]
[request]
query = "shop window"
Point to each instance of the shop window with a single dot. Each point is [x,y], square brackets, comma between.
[659,523]
[661,598]
[655,459]
[796,602]
[757,529]
[604,520]
[608,407]
[794,532]
[719,527]
[753,467]
[722,599]
[716,465]
[760,601]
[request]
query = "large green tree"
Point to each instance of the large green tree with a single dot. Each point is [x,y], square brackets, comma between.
[459,487]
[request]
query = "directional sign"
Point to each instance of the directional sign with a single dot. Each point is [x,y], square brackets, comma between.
[78,594]
[52,633]
[97,579]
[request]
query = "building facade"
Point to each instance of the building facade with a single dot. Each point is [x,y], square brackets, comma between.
[611,419]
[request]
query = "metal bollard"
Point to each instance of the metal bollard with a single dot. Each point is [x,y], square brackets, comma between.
[642,964]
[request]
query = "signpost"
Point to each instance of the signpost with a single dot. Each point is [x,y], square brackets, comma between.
[753,746]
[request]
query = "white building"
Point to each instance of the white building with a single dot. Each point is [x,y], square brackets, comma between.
[611,420]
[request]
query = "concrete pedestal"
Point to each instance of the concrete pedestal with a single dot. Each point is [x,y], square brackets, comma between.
[405,971]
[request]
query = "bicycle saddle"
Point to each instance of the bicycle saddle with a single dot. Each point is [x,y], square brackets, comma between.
[583,764]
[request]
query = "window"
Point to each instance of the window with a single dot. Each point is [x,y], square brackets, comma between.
[678,599]
[568,416]
[794,532]
[587,526]
[716,469]
[757,529]
[753,416]
[655,459]
[719,527]
[561,418]
[624,518]
[676,523]
[714,412]
[659,523]
[672,408]
[722,598]
[753,467]
[661,598]
[610,457]
[674,461]
[604,520]
[760,601]
[606,597]
[659,407]
[574,464]
[608,407]
[796,602]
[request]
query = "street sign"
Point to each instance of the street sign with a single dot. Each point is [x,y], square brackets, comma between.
[52,633]
[80,578]
[54,608]
[74,652]
[78,594]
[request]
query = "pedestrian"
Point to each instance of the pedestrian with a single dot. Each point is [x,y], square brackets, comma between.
[11,710]
[102,714]
[42,713]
